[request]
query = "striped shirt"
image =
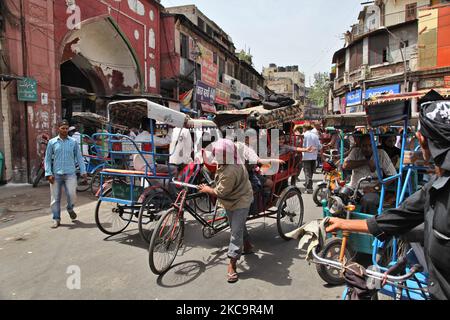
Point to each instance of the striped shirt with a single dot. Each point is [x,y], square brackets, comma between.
[62,156]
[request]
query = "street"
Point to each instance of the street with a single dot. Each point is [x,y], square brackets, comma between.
[40,263]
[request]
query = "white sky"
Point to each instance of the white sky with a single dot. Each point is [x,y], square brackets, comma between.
[285,32]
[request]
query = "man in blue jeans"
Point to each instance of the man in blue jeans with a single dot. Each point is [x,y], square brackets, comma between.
[61,158]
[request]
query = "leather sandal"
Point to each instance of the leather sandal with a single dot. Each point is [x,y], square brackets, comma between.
[233,277]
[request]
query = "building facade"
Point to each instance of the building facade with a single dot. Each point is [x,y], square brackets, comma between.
[53,49]
[195,50]
[382,54]
[288,81]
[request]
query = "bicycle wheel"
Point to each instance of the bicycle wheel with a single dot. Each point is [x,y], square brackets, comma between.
[320,194]
[112,218]
[290,212]
[166,241]
[95,183]
[331,251]
[153,207]
[39,175]
[204,203]
[83,184]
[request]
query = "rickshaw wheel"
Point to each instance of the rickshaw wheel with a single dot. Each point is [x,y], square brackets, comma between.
[95,183]
[320,194]
[331,251]
[150,212]
[166,241]
[118,219]
[290,212]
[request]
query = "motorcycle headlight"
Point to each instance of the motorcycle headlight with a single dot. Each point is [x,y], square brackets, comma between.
[337,207]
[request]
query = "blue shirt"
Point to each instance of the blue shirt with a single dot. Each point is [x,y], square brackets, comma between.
[311,139]
[62,156]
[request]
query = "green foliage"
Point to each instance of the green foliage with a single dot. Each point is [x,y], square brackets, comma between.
[320,89]
[243,56]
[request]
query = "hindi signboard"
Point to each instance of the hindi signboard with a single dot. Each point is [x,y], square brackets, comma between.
[205,94]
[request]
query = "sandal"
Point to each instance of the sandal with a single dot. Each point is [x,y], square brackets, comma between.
[233,277]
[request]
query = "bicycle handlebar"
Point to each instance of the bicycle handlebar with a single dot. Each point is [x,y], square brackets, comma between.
[370,273]
[184,184]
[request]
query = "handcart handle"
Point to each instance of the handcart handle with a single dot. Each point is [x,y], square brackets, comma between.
[184,184]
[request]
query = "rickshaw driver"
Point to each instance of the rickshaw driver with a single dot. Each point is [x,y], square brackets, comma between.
[362,164]
[431,204]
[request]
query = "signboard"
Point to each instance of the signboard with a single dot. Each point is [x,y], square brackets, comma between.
[209,109]
[210,70]
[205,94]
[354,98]
[447,81]
[223,94]
[246,91]
[378,91]
[336,105]
[27,90]
[343,104]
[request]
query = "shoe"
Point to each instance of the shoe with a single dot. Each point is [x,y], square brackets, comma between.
[309,191]
[55,224]
[72,215]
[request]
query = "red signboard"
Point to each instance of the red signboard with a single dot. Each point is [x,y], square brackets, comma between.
[223,94]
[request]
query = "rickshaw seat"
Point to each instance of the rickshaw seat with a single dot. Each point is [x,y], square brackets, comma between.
[136,173]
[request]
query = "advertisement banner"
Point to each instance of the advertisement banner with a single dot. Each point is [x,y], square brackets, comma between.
[336,105]
[343,104]
[205,94]
[223,94]
[210,71]
[209,109]
[354,98]
[378,91]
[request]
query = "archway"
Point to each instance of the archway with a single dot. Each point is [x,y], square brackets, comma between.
[98,59]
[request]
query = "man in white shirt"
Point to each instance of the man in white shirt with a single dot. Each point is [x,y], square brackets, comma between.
[144,141]
[310,141]
[361,162]
[181,147]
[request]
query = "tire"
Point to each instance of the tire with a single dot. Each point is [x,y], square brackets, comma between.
[39,175]
[165,242]
[204,204]
[320,194]
[119,217]
[331,251]
[95,183]
[151,210]
[82,185]
[290,212]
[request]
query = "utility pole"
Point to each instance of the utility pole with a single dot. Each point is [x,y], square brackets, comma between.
[196,54]
[403,44]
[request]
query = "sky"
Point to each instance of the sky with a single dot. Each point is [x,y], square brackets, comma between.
[285,32]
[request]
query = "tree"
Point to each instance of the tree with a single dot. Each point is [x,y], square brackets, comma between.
[320,89]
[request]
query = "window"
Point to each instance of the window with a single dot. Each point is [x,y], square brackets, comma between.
[356,56]
[184,43]
[221,68]
[215,58]
[378,49]
[404,44]
[209,30]
[411,12]
[201,24]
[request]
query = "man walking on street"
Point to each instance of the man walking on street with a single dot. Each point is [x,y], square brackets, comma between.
[310,141]
[62,155]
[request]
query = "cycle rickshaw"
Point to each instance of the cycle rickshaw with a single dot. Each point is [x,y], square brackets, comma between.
[387,257]
[141,195]
[285,202]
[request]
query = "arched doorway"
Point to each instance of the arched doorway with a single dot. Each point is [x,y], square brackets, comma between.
[97,60]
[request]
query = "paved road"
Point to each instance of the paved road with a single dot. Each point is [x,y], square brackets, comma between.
[37,262]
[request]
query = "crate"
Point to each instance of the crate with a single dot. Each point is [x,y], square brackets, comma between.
[123,192]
